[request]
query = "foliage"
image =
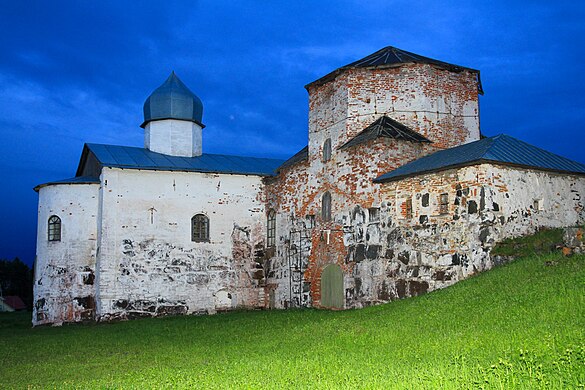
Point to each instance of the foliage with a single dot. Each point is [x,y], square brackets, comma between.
[16,278]
[521,325]
[542,242]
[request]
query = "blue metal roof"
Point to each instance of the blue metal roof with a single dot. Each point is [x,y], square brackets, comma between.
[501,149]
[73,180]
[141,158]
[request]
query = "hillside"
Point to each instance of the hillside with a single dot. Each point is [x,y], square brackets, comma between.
[521,325]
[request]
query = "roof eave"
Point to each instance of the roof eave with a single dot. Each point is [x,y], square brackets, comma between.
[334,74]
[476,162]
[176,169]
[143,125]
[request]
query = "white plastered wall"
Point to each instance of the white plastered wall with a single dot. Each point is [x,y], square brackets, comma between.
[64,289]
[148,264]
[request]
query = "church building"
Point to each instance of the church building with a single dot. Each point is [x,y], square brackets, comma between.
[397,193]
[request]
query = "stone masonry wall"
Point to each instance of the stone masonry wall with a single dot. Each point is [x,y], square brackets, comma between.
[395,248]
[147,263]
[429,248]
[296,196]
[64,286]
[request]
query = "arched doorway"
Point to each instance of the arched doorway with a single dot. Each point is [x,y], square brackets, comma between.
[332,287]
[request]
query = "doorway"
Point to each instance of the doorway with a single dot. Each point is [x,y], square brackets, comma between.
[332,287]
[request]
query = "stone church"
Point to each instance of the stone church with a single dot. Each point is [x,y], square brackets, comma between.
[396,193]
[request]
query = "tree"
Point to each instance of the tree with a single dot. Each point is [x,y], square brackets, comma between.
[16,278]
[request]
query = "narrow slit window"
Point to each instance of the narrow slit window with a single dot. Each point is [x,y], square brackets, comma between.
[271,228]
[444,204]
[54,229]
[200,228]
[327,150]
[326,206]
[408,208]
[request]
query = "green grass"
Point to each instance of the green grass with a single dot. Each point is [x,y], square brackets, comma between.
[518,326]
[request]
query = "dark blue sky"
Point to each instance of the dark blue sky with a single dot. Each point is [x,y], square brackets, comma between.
[75,72]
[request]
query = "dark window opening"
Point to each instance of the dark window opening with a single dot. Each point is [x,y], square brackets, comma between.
[326,207]
[425,200]
[444,204]
[311,220]
[327,150]
[199,228]
[374,214]
[271,228]
[54,230]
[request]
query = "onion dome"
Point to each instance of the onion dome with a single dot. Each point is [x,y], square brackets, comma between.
[173,100]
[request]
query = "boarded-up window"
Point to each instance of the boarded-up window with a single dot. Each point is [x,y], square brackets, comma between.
[54,229]
[271,228]
[199,228]
[326,206]
[408,208]
[444,204]
[327,150]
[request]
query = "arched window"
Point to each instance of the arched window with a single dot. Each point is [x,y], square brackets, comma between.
[54,229]
[271,228]
[326,206]
[327,150]
[199,228]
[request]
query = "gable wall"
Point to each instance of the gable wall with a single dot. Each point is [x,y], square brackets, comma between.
[147,263]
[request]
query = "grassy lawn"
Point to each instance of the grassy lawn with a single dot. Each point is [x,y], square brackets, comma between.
[518,326]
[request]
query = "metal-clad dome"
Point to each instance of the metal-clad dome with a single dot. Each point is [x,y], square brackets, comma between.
[173,100]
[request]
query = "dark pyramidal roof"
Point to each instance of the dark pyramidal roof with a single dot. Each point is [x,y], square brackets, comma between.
[500,149]
[385,127]
[173,100]
[301,155]
[393,56]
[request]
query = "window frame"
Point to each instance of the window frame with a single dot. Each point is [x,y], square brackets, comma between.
[54,228]
[326,206]
[326,150]
[444,203]
[271,228]
[200,222]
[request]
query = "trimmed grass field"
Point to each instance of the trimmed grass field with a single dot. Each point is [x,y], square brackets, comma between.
[518,326]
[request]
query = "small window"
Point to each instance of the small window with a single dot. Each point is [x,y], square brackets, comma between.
[408,208]
[538,205]
[444,204]
[327,150]
[425,200]
[326,207]
[271,228]
[311,221]
[54,230]
[200,228]
[374,214]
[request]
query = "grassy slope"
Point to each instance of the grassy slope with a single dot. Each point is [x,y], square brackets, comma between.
[520,325]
